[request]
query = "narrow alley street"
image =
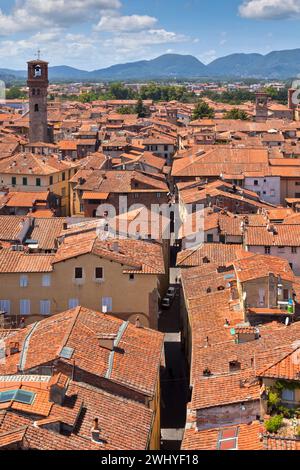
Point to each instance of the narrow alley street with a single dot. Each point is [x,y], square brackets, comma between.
[174,380]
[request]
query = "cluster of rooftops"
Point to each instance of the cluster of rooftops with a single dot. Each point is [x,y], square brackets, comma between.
[90,379]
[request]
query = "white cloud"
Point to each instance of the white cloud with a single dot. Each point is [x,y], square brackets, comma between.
[136,40]
[223,39]
[208,56]
[66,49]
[125,23]
[86,51]
[270,9]
[33,14]
[107,37]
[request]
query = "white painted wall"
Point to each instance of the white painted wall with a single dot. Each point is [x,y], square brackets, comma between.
[270,185]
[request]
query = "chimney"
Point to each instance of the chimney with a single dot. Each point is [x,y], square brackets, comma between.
[272,229]
[95,431]
[107,340]
[58,387]
[137,322]
[14,348]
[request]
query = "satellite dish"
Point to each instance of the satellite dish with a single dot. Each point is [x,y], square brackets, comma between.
[287,321]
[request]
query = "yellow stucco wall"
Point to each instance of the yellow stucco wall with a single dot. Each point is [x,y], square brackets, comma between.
[128,296]
[59,187]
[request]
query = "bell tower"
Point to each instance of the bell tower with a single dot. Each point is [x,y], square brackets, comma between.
[261,107]
[38,91]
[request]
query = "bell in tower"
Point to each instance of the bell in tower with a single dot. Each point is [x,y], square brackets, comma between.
[38,91]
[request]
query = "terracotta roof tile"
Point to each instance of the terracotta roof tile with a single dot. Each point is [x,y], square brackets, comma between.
[248,438]
[78,329]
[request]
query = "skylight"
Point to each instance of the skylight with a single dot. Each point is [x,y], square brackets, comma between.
[20,396]
[66,353]
[7,396]
[2,353]
[227,439]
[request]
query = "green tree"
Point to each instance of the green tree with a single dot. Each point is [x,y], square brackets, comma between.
[15,93]
[274,424]
[156,92]
[236,113]
[140,109]
[281,96]
[87,97]
[231,97]
[126,110]
[120,92]
[203,110]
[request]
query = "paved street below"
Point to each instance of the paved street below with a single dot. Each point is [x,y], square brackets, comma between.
[174,380]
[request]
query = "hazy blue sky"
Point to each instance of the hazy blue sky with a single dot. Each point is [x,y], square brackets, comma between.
[93,34]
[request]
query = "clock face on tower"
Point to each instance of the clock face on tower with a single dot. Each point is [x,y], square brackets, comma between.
[37,71]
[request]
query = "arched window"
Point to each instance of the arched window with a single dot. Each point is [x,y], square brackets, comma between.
[38,71]
[36,108]
[33,91]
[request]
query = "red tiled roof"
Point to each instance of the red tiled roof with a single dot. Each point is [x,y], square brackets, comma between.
[135,364]
[143,256]
[248,438]
[286,368]
[283,235]
[258,266]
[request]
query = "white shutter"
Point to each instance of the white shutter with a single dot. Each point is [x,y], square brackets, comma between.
[46,282]
[107,302]
[23,281]
[73,303]
[24,307]
[45,307]
[5,306]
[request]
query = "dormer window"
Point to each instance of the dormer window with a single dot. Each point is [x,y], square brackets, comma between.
[234,366]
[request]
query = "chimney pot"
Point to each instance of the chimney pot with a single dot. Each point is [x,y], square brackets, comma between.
[96,424]
[95,431]
[107,341]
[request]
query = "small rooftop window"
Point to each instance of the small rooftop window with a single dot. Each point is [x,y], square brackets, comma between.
[228,439]
[21,396]
[66,353]
[7,396]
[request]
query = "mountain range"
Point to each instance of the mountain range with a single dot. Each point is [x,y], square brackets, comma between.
[275,65]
